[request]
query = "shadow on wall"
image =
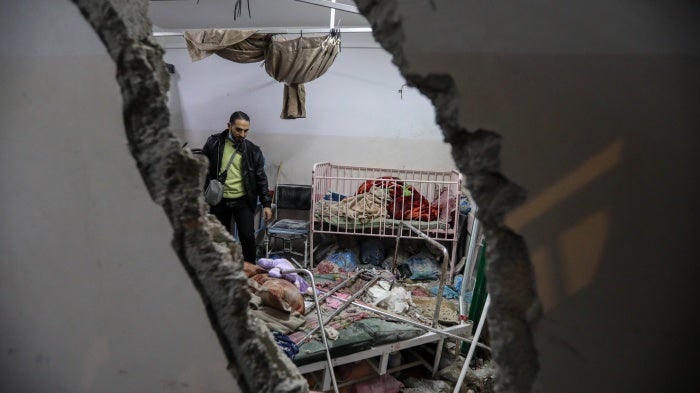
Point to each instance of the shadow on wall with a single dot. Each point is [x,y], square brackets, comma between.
[569,261]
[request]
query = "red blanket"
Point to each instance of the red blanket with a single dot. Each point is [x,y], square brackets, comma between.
[405,201]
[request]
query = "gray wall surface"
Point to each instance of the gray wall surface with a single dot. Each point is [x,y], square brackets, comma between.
[92,297]
[597,103]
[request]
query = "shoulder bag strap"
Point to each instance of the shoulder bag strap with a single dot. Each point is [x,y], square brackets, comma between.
[223,174]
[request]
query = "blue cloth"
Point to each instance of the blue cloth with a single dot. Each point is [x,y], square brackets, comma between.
[464,206]
[333,196]
[287,345]
[345,259]
[458,282]
[447,292]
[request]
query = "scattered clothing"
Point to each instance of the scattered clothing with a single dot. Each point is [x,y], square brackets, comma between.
[288,346]
[447,292]
[276,320]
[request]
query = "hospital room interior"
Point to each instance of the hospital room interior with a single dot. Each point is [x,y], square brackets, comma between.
[348,196]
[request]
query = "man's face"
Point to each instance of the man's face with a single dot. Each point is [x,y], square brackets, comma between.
[239,129]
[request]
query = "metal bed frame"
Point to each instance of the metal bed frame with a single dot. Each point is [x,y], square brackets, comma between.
[328,182]
[327,178]
[379,355]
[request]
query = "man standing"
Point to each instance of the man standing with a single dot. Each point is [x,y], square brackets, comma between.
[245,181]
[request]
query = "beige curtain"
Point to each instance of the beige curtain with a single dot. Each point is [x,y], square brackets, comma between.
[296,62]
[240,46]
[293,62]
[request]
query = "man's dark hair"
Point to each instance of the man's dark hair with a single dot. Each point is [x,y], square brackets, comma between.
[238,115]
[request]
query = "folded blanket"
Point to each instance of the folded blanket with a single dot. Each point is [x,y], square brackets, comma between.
[363,207]
[276,320]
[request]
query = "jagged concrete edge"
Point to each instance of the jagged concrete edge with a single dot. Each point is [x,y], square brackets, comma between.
[173,177]
[510,278]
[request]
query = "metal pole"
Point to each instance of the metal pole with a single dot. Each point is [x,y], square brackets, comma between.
[332,5]
[445,258]
[396,248]
[320,318]
[330,292]
[332,24]
[472,347]
[322,323]
[408,321]
[279,30]
[468,266]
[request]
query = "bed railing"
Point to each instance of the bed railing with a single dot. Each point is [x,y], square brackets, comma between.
[378,199]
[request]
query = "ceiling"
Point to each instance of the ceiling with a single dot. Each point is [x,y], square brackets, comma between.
[169,15]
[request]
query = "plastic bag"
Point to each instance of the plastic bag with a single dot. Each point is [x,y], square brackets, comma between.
[345,259]
[395,300]
[464,206]
[458,282]
[399,300]
[423,266]
[377,294]
[447,292]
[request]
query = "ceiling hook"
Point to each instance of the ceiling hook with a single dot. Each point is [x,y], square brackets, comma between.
[401,90]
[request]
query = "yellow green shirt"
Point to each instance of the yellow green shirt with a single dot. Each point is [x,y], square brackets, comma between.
[233,187]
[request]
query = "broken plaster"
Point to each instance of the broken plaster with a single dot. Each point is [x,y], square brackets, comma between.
[173,177]
[510,277]
[214,263]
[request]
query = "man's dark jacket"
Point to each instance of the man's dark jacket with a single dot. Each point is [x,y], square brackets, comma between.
[252,165]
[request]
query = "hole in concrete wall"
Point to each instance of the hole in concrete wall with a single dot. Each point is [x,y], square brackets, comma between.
[514,304]
[207,251]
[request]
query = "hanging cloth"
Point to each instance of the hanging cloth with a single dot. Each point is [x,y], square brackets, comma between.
[240,46]
[293,62]
[296,62]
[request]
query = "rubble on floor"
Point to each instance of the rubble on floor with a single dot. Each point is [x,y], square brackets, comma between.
[479,379]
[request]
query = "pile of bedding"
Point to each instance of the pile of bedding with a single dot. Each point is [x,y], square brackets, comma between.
[284,304]
[387,198]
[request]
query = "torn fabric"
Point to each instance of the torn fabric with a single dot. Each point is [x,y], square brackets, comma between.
[293,62]
[240,46]
[296,62]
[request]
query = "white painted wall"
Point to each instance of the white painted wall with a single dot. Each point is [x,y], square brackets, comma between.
[355,114]
[92,297]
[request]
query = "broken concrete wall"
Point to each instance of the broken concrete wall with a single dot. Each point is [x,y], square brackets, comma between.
[604,141]
[595,104]
[69,254]
[174,178]
[93,298]
[476,153]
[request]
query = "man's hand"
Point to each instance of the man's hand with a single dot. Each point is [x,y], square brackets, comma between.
[267,214]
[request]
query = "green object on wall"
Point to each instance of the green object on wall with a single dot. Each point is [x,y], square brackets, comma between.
[476,307]
[479,295]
